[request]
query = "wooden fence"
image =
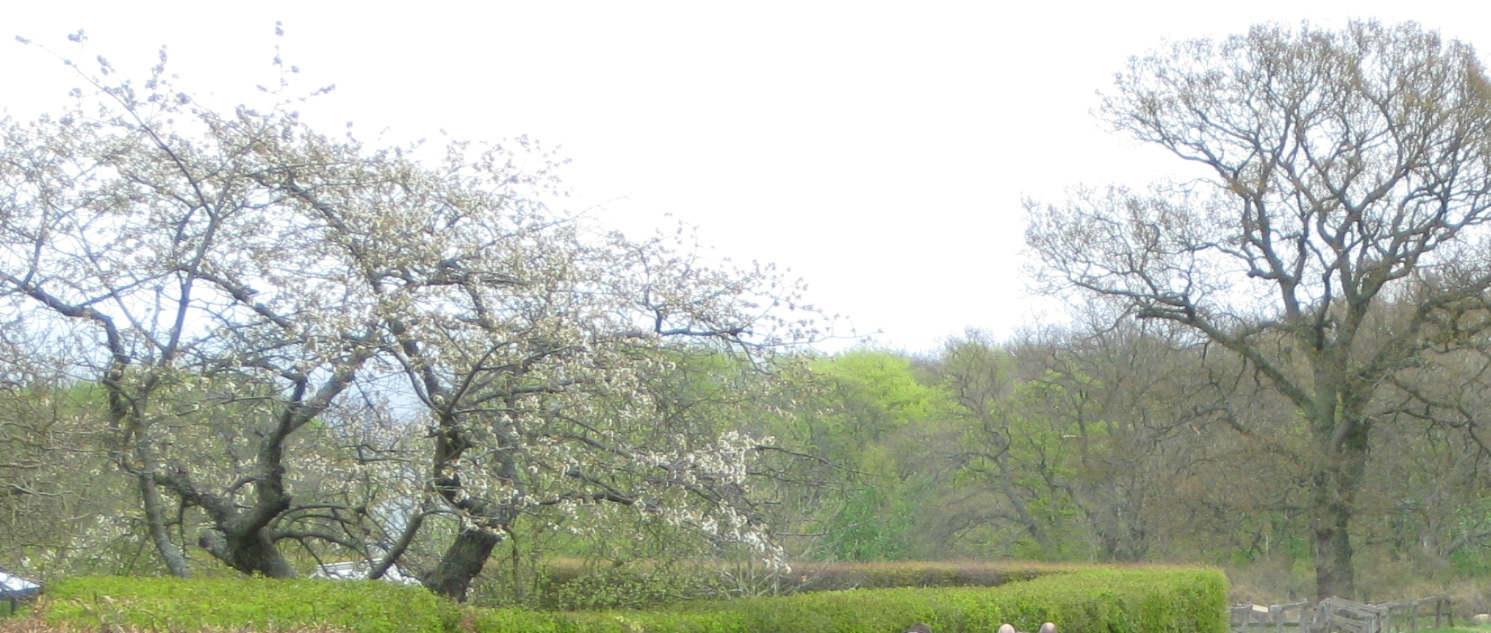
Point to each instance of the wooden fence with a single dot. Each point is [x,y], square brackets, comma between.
[1334,615]
[1274,616]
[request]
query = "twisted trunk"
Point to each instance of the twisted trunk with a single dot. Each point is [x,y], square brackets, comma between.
[462,562]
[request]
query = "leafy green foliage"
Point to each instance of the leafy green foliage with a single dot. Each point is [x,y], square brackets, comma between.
[870,417]
[872,525]
[885,384]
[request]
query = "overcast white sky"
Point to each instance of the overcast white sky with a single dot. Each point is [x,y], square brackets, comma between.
[879,150]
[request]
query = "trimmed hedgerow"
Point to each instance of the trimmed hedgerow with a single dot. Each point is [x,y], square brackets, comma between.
[260,604]
[569,584]
[1091,601]
[1095,601]
[835,576]
[1122,601]
[619,621]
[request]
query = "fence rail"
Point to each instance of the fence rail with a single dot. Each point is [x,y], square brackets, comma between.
[1334,615]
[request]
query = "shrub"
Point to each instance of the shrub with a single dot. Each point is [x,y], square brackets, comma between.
[568,584]
[837,576]
[1096,601]
[257,603]
[1101,600]
[616,621]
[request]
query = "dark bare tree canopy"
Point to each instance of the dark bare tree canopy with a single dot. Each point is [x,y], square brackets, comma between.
[1334,241]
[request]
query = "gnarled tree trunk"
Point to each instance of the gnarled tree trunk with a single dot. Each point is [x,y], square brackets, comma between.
[462,562]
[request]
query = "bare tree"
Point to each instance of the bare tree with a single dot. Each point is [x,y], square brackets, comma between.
[1346,173]
[980,376]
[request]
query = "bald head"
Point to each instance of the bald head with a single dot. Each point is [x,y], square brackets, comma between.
[1006,628]
[1048,628]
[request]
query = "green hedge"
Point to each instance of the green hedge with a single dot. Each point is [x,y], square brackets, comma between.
[526,621]
[1094,601]
[836,576]
[172,604]
[1090,601]
[573,585]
